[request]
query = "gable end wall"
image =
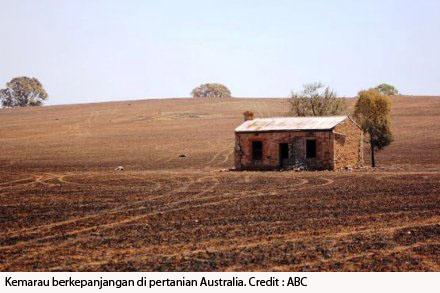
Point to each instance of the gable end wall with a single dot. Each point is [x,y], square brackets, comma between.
[347,145]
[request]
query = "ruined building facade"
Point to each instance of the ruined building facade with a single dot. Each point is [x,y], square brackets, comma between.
[312,143]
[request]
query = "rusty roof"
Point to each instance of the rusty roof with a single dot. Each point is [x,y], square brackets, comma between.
[290,123]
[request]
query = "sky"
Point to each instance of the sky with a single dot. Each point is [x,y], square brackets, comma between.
[93,51]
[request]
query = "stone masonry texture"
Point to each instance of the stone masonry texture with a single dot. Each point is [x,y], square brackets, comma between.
[337,148]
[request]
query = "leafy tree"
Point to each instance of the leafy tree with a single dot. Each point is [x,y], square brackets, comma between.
[316,100]
[371,111]
[387,89]
[22,92]
[211,90]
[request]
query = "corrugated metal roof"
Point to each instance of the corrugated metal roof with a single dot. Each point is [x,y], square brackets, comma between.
[290,123]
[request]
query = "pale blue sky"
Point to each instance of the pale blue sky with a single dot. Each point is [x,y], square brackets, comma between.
[91,51]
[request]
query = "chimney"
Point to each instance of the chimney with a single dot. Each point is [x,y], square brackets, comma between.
[248,115]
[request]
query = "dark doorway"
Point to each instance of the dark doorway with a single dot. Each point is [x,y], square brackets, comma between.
[284,154]
[311,148]
[257,150]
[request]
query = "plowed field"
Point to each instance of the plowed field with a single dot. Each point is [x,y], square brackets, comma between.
[64,208]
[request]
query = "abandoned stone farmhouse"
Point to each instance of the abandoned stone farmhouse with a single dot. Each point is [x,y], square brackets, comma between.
[312,143]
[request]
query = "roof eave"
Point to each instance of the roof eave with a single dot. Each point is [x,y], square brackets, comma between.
[285,130]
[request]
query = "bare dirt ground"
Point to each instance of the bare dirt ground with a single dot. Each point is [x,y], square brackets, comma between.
[63,208]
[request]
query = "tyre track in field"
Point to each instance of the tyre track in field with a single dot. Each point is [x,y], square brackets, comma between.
[68,241]
[303,181]
[98,227]
[175,210]
[122,209]
[36,179]
[5,184]
[254,241]
[219,246]
[227,155]
[328,182]
[218,154]
[226,158]
[127,207]
[115,224]
[383,252]
[295,236]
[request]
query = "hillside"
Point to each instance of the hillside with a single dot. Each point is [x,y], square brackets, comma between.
[151,134]
[64,208]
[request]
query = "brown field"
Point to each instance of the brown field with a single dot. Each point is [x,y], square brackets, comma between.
[63,208]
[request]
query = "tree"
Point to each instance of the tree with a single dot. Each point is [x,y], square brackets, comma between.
[211,90]
[387,89]
[22,92]
[371,111]
[316,100]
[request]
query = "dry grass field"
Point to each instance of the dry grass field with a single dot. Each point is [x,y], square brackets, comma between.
[64,208]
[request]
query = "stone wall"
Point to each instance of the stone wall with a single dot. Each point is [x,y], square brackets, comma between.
[339,148]
[348,145]
[297,150]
